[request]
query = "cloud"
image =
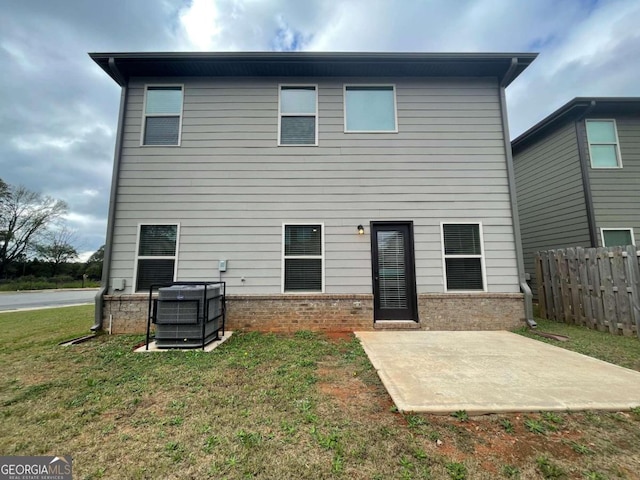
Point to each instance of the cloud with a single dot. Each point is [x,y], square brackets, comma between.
[596,57]
[201,22]
[251,25]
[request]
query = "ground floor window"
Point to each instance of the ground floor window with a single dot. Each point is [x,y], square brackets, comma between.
[156,254]
[303,262]
[615,237]
[463,255]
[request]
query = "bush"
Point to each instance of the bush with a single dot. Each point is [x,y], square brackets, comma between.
[30,282]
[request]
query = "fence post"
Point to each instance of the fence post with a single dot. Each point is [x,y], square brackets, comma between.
[633,269]
[606,287]
[555,286]
[548,285]
[565,289]
[574,286]
[585,284]
[621,290]
[541,286]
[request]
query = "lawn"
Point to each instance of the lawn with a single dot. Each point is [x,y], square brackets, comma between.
[273,406]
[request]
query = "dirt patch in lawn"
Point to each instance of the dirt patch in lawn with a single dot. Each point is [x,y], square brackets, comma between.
[339,336]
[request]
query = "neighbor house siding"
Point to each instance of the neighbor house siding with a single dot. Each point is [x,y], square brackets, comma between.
[231,187]
[551,200]
[616,191]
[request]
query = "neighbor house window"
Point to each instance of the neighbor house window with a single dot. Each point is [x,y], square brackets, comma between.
[604,149]
[162,115]
[615,237]
[303,258]
[298,123]
[463,256]
[156,255]
[370,108]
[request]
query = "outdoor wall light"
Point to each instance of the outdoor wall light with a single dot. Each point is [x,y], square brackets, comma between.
[360,230]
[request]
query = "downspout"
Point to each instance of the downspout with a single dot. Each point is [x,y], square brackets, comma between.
[106,264]
[524,287]
[584,170]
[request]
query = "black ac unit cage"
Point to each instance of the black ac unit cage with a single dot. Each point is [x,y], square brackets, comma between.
[186,314]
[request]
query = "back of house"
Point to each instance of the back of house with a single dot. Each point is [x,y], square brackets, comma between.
[329,191]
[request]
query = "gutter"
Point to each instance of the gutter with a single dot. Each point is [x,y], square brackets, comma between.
[584,170]
[524,286]
[106,264]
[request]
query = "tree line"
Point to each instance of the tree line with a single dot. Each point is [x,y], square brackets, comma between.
[35,242]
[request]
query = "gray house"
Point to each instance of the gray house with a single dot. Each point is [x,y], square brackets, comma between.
[578,177]
[330,191]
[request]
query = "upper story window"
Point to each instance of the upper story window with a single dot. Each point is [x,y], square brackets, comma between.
[463,256]
[616,237]
[298,112]
[156,255]
[604,148]
[162,115]
[370,108]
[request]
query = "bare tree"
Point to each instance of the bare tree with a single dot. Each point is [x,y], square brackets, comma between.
[57,248]
[4,189]
[23,216]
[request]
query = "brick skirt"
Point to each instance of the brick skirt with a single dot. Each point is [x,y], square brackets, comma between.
[335,313]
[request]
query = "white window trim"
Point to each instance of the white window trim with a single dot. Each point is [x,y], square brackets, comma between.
[481,257]
[145,114]
[154,257]
[344,105]
[280,114]
[617,144]
[629,229]
[322,257]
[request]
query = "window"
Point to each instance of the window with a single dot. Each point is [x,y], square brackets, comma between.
[463,256]
[303,258]
[616,237]
[298,115]
[603,144]
[162,115]
[156,255]
[370,108]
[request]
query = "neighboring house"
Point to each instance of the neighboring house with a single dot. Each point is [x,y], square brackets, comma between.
[343,190]
[578,177]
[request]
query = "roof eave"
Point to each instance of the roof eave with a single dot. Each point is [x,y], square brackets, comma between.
[502,63]
[572,109]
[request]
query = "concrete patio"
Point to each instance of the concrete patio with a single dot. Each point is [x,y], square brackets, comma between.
[493,372]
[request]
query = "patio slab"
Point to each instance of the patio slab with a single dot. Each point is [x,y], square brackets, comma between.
[493,372]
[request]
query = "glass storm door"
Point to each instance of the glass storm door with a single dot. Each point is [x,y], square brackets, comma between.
[394,284]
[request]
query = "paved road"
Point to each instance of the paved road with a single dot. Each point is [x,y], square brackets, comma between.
[45,298]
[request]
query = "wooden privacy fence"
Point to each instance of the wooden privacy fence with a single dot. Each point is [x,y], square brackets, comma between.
[596,287]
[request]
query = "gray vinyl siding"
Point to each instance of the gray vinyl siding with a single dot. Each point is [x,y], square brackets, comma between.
[551,201]
[231,187]
[616,191]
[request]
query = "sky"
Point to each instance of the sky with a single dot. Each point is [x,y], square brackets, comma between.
[58,110]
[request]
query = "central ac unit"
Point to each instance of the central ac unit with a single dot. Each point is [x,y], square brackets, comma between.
[183,311]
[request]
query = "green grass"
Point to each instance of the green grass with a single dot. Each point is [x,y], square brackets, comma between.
[265,406]
[623,351]
[549,469]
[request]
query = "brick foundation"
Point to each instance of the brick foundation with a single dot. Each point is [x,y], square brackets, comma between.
[290,313]
[472,311]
